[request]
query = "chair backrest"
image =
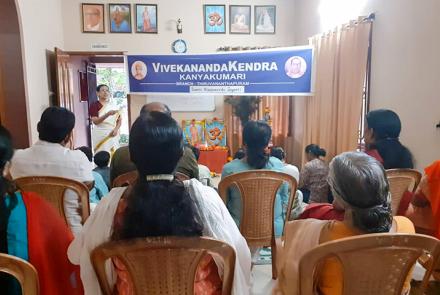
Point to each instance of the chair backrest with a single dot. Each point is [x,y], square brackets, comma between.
[163,265]
[372,264]
[53,189]
[401,180]
[23,271]
[125,179]
[258,190]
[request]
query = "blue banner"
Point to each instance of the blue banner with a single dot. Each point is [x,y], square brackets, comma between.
[286,71]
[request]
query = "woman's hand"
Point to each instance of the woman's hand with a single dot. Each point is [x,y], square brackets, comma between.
[114,133]
[111,113]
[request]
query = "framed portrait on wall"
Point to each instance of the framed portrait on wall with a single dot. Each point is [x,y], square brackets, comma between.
[146,18]
[214,19]
[215,132]
[193,132]
[120,18]
[265,19]
[92,18]
[239,19]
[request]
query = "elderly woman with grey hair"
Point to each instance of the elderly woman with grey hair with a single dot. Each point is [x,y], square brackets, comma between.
[360,187]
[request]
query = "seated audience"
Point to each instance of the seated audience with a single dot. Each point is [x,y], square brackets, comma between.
[99,189]
[360,186]
[256,138]
[121,162]
[159,204]
[382,139]
[50,157]
[239,154]
[101,160]
[381,135]
[204,172]
[313,177]
[28,225]
[279,153]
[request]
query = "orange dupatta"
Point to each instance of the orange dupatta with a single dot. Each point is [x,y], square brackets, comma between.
[433,174]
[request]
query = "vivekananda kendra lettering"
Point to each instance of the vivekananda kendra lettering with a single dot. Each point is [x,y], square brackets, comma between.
[214,71]
[231,66]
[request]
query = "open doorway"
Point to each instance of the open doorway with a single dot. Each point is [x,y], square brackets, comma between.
[76,79]
[114,75]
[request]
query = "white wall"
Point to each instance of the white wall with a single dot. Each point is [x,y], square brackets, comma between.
[42,29]
[405,66]
[191,13]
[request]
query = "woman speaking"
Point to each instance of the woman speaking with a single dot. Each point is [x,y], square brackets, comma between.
[106,120]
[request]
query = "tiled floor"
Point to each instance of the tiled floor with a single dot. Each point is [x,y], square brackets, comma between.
[262,282]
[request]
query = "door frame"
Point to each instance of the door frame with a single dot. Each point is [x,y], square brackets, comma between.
[65,86]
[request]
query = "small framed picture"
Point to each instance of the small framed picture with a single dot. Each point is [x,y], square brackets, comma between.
[265,19]
[146,18]
[92,18]
[214,17]
[120,18]
[239,19]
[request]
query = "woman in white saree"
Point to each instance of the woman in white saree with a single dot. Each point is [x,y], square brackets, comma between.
[158,191]
[106,120]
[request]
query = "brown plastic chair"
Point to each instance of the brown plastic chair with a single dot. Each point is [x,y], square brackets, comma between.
[125,179]
[53,189]
[23,271]
[163,265]
[258,189]
[372,264]
[401,180]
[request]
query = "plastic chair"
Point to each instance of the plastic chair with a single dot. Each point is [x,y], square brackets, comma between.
[401,180]
[258,189]
[23,271]
[125,179]
[372,264]
[53,189]
[163,265]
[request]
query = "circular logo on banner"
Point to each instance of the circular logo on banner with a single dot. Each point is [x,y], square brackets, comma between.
[139,70]
[295,67]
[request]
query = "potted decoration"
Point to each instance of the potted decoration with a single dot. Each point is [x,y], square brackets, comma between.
[244,106]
